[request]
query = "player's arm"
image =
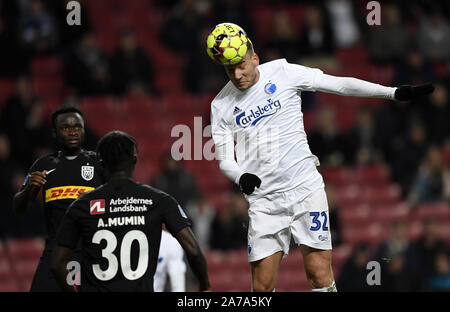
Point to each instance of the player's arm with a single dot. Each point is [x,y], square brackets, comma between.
[60,257]
[178,225]
[350,86]
[195,257]
[24,198]
[224,143]
[66,240]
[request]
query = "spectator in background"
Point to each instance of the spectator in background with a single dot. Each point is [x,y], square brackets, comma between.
[233,11]
[14,119]
[408,156]
[434,37]
[316,38]
[393,255]
[343,22]
[86,68]
[38,29]
[230,226]
[446,151]
[40,142]
[131,70]
[389,41]
[208,76]
[176,181]
[13,59]
[11,179]
[180,30]
[413,69]
[202,215]
[69,35]
[432,182]
[282,39]
[425,251]
[353,274]
[391,124]
[361,139]
[436,115]
[326,141]
[7,168]
[440,281]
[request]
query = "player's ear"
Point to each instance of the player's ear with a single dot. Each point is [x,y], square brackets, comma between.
[255,59]
[134,160]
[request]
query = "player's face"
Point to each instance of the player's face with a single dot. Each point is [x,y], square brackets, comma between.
[244,74]
[70,131]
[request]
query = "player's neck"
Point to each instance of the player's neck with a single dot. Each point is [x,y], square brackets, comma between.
[122,174]
[71,153]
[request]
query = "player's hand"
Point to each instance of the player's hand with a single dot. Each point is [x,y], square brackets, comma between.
[248,182]
[407,92]
[37,179]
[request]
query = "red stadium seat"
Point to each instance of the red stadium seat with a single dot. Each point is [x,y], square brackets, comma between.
[292,281]
[390,193]
[372,234]
[25,269]
[335,175]
[373,175]
[44,66]
[439,210]
[25,248]
[7,87]
[10,285]
[6,271]
[215,260]
[388,213]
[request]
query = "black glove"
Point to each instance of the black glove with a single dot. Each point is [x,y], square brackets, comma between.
[407,92]
[248,182]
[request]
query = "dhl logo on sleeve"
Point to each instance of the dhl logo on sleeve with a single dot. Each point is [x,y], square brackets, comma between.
[65,192]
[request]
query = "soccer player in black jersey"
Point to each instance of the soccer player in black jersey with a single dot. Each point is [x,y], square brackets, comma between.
[62,176]
[120,227]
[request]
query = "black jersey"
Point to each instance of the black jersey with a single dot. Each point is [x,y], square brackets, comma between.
[120,228]
[66,179]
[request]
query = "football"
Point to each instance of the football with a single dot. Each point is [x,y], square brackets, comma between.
[227,44]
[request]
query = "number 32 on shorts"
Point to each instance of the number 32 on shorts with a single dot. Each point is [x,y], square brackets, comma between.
[316,220]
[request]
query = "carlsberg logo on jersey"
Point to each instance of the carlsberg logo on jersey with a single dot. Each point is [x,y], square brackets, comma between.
[245,120]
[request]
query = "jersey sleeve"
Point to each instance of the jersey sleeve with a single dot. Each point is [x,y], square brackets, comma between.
[301,77]
[174,216]
[224,143]
[70,230]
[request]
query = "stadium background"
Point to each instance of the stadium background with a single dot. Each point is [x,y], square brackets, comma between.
[385,164]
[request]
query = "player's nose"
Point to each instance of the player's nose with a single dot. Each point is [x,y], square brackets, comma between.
[237,74]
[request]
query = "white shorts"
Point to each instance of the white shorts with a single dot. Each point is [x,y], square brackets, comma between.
[275,217]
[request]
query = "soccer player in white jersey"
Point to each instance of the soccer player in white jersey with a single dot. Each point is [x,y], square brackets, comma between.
[260,110]
[171,266]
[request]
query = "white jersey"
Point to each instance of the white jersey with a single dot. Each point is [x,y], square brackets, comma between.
[266,122]
[170,264]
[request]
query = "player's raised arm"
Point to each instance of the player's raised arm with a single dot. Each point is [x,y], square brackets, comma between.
[24,198]
[195,257]
[356,87]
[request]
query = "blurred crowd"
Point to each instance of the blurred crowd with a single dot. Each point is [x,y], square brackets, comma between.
[413,138]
